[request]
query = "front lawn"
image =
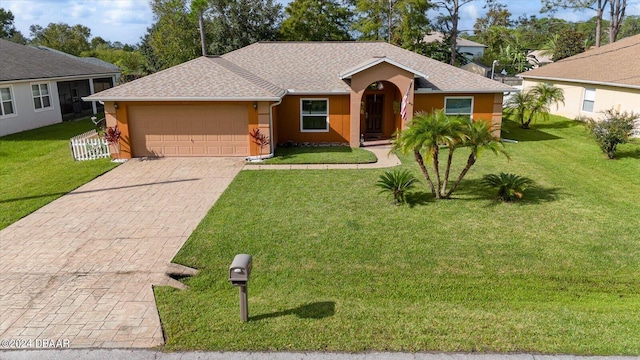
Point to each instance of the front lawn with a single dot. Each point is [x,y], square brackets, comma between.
[338,268]
[319,155]
[36,167]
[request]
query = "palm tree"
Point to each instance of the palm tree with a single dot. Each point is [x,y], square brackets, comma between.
[548,94]
[533,103]
[424,136]
[518,104]
[479,136]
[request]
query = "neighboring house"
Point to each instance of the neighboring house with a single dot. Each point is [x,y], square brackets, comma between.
[90,60]
[470,49]
[596,80]
[539,58]
[477,69]
[41,87]
[315,92]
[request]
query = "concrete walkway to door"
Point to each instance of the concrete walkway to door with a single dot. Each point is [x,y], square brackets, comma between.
[81,269]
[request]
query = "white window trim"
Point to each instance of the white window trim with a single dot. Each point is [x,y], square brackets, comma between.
[13,103]
[302,115]
[459,97]
[43,108]
[584,98]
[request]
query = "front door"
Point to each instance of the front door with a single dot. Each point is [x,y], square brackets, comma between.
[373,115]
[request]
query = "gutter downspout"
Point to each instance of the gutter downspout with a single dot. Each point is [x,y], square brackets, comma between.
[273,148]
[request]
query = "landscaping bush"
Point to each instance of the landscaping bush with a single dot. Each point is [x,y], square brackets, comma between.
[510,187]
[614,129]
[396,183]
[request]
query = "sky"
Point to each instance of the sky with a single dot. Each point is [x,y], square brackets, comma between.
[127,20]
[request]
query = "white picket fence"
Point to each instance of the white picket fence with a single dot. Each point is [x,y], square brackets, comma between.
[89,146]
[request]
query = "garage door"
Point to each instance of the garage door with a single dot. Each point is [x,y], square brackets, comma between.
[189,130]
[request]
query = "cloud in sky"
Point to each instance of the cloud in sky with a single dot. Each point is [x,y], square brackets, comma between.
[114,20]
[127,20]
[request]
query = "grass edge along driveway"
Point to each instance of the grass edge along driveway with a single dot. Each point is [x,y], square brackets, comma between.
[338,268]
[36,167]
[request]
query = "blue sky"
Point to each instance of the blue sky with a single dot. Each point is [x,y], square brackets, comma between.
[127,20]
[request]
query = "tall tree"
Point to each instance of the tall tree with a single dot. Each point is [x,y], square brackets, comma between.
[537,31]
[491,29]
[7,28]
[569,42]
[414,24]
[173,38]
[316,20]
[596,5]
[630,26]
[238,23]
[497,15]
[6,24]
[450,21]
[400,22]
[617,9]
[60,36]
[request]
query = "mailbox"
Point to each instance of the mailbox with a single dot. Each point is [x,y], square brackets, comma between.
[240,269]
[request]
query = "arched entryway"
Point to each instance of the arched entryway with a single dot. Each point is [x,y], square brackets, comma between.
[380,111]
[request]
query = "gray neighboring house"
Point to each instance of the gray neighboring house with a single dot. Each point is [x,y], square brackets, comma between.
[470,49]
[41,87]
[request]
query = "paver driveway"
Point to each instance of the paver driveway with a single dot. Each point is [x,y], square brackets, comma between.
[82,268]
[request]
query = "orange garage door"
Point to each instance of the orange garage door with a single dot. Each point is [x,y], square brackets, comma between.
[189,130]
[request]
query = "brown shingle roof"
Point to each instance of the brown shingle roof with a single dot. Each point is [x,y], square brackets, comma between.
[613,64]
[204,78]
[268,70]
[19,62]
[315,66]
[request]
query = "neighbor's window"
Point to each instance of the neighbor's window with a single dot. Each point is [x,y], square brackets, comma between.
[462,106]
[41,96]
[6,102]
[314,115]
[589,100]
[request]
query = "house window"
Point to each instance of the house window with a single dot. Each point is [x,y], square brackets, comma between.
[314,115]
[461,106]
[41,96]
[6,102]
[589,100]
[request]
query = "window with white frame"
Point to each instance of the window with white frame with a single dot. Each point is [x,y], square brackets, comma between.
[7,106]
[589,99]
[41,96]
[314,115]
[459,105]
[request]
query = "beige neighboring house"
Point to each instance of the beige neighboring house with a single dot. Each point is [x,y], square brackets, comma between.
[541,57]
[596,80]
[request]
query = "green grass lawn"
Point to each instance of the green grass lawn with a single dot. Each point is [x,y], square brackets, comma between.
[36,167]
[338,268]
[320,155]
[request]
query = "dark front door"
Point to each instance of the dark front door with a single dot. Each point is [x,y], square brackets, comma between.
[373,115]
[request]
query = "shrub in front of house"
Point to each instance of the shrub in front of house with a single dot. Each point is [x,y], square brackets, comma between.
[396,183]
[509,187]
[614,129]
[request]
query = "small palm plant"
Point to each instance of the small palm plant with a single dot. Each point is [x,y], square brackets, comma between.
[397,183]
[510,187]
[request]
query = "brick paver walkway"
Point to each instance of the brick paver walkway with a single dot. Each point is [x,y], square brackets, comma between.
[82,268]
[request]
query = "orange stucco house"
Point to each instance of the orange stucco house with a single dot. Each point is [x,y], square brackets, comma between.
[316,92]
